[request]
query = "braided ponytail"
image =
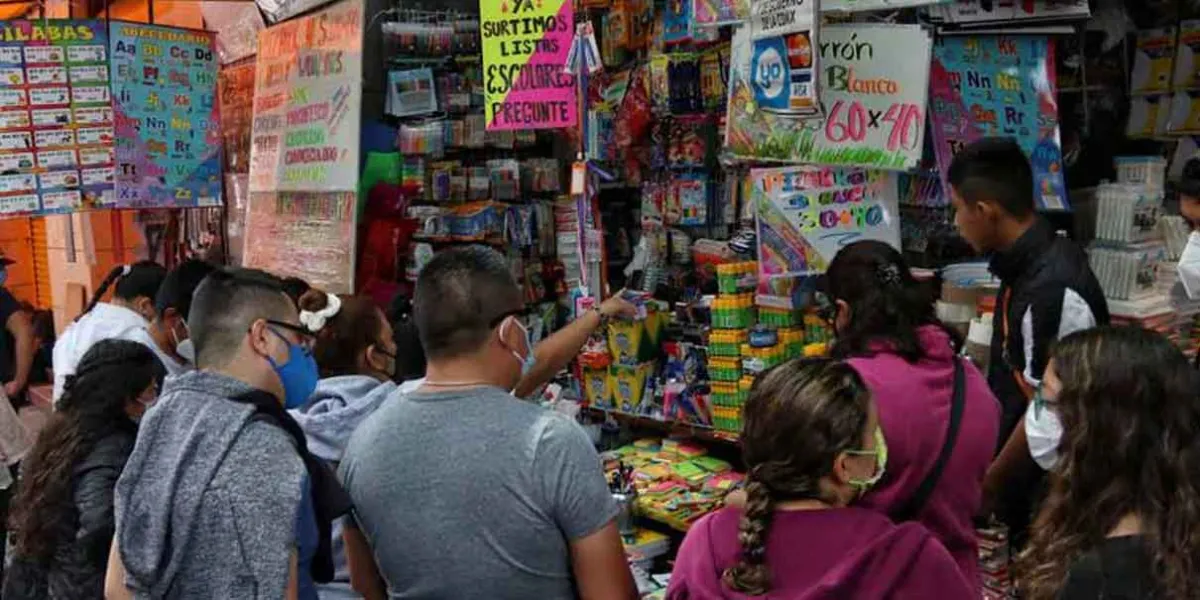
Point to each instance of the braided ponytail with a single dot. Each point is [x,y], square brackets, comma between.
[751,575]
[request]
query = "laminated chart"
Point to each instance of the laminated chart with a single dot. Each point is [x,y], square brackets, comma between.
[167,118]
[995,85]
[56,117]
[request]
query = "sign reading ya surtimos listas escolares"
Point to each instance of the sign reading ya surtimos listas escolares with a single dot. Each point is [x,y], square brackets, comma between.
[525,45]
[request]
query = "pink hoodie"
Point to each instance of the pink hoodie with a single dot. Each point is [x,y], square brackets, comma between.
[836,554]
[914,411]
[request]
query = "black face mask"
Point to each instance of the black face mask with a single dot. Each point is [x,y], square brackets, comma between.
[390,371]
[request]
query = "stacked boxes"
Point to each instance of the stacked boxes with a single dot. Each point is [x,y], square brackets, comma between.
[733,314]
[1128,247]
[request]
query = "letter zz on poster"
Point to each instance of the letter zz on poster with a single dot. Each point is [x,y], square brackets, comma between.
[168,130]
[525,46]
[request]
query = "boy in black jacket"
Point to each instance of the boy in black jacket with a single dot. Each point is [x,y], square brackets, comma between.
[1047,291]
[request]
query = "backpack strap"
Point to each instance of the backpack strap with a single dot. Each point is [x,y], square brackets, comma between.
[909,510]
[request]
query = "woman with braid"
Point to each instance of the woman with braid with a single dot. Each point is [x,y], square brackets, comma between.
[812,446]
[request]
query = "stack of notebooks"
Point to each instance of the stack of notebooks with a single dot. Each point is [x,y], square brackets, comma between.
[994,562]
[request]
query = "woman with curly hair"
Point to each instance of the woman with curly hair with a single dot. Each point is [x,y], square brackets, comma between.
[812,445]
[1123,511]
[62,517]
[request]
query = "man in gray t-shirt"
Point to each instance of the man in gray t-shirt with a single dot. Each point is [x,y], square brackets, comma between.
[461,489]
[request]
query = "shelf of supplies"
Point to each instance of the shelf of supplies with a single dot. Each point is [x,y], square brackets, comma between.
[459,239]
[421,61]
[697,432]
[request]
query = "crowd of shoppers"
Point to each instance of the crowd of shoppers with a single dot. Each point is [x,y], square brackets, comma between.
[223,433]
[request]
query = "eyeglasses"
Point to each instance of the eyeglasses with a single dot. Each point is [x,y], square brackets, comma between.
[307,338]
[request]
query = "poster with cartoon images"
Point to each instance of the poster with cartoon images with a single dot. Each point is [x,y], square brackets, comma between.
[56,117]
[998,85]
[167,117]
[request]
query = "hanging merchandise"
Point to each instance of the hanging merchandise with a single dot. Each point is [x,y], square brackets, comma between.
[1187,56]
[167,118]
[783,57]
[56,117]
[411,93]
[708,13]
[874,87]
[526,85]
[1184,116]
[236,87]
[805,214]
[994,85]
[974,12]
[237,25]
[307,105]
[1152,60]
[303,235]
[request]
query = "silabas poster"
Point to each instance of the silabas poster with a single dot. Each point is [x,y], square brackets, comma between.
[56,117]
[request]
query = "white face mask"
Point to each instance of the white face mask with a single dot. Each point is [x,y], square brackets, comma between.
[186,350]
[1044,432]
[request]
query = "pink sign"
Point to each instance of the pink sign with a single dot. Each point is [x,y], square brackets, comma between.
[526,45]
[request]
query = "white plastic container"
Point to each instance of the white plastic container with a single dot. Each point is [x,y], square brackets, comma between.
[1149,171]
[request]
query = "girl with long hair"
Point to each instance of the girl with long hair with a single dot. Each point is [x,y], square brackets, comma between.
[1123,510]
[62,517]
[886,329]
[126,316]
[811,444]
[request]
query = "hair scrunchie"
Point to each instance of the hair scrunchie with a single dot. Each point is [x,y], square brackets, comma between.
[315,321]
[888,274]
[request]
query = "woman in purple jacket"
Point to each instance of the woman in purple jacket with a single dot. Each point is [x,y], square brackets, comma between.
[887,330]
[812,445]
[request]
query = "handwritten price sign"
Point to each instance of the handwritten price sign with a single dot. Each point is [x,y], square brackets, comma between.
[873,80]
[903,122]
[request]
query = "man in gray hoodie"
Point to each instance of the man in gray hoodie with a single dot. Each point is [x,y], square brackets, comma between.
[215,500]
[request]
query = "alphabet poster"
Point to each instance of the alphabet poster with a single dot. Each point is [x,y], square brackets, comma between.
[307,103]
[806,214]
[993,85]
[56,117]
[873,80]
[167,118]
[526,44]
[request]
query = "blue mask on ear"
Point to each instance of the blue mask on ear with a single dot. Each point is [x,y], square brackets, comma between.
[3,276]
[528,360]
[298,375]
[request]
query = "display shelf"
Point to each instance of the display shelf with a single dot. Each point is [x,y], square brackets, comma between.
[697,432]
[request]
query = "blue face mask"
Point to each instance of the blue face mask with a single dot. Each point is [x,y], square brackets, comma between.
[528,360]
[298,375]
[3,276]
